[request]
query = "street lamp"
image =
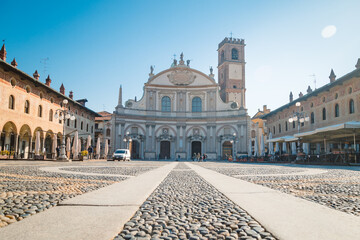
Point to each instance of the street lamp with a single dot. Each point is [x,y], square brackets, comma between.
[127,139]
[299,117]
[233,142]
[63,114]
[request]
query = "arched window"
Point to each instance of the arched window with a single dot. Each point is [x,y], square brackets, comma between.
[108,132]
[286,126]
[196,104]
[92,129]
[81,125]
[312,118]
[274,130]
[11,102]
[337,111]
[40,111]
[27,107]
[166,104]
[234,54]
[222,56]
[293,124]
[87,127]
[279,128]
[351,106]
[51,114]
[324,114]
[75,123]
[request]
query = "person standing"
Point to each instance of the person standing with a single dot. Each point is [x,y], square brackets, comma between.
[198,157]
[90,151]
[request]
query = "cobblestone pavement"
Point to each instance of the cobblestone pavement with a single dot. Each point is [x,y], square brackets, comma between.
[26,190]
[184,206]
[337,188]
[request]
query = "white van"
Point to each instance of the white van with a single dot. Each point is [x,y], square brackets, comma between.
[121,154]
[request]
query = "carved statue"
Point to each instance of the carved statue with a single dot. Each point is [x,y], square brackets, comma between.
[211,70]
[188,63]
[175,62]
[181,57]
[151,69]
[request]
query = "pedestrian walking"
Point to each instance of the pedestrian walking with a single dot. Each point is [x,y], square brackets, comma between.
[198,157]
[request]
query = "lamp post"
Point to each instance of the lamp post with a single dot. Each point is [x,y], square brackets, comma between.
[63,114]
[299,117]
[233,142]
[127,140]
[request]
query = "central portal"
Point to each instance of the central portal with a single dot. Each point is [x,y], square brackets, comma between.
[227,149]
[135,150]
[164,150]
[195,148]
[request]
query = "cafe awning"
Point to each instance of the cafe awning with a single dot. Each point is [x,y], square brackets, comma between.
[337,131]
[282,139]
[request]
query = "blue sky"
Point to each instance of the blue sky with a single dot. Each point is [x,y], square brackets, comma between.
[94,46]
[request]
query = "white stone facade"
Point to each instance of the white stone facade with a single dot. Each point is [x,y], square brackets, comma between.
[180,113]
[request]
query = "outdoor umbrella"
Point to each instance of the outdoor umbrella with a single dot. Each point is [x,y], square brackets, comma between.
[262,146]
[256,150]
[106,151]
[54,144]
[98,147]
[75,145]
[293,148]
[68,146]
[250,149]
[37,143]
[271,145]
[284,147]
[79,146]
[88,142]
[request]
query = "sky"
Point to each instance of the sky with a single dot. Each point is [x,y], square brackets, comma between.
[93,47]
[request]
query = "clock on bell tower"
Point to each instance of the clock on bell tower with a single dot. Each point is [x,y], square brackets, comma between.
[231,70]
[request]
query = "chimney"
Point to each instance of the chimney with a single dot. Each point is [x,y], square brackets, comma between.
[264,108]
[291,97]
[14,63]
[3,53]
[301,94]
[62,89]
[71,94]
[358,64]
[48,81]
[309,90]
[332,76]
[36,75]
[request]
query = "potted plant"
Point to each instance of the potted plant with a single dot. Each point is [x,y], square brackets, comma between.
[4,154]
[84,155]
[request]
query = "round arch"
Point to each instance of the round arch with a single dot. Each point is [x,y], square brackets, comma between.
[233,128]
[164,126]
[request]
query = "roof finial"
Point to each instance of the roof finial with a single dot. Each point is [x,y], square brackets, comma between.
[62,89]
[332,76]
[181,62]
[36,75]
[358,64]
[14,63]
[3,52]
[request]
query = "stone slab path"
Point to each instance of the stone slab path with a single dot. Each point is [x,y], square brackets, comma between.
[286,216]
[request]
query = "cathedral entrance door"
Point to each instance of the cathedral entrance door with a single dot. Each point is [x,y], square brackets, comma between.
[164,150]
[135,150]
[195,148]
[227,149]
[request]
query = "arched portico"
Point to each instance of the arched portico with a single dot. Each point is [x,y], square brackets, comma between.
[9,137]
[24,142]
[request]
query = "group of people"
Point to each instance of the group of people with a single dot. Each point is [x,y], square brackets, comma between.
[198,157]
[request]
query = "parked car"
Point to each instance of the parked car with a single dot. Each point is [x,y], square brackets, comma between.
[121,154]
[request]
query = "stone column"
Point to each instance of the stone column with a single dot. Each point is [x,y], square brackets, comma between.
[122,135]
[147,143]
[16,150]
[30,146]
[177,138]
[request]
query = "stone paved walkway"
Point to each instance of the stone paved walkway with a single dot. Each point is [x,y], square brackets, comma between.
[170,200]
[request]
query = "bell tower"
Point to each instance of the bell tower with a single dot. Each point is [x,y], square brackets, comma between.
[231,70]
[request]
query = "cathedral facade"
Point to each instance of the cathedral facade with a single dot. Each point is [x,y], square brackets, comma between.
[184,112]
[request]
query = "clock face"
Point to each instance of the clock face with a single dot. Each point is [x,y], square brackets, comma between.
[235,71]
